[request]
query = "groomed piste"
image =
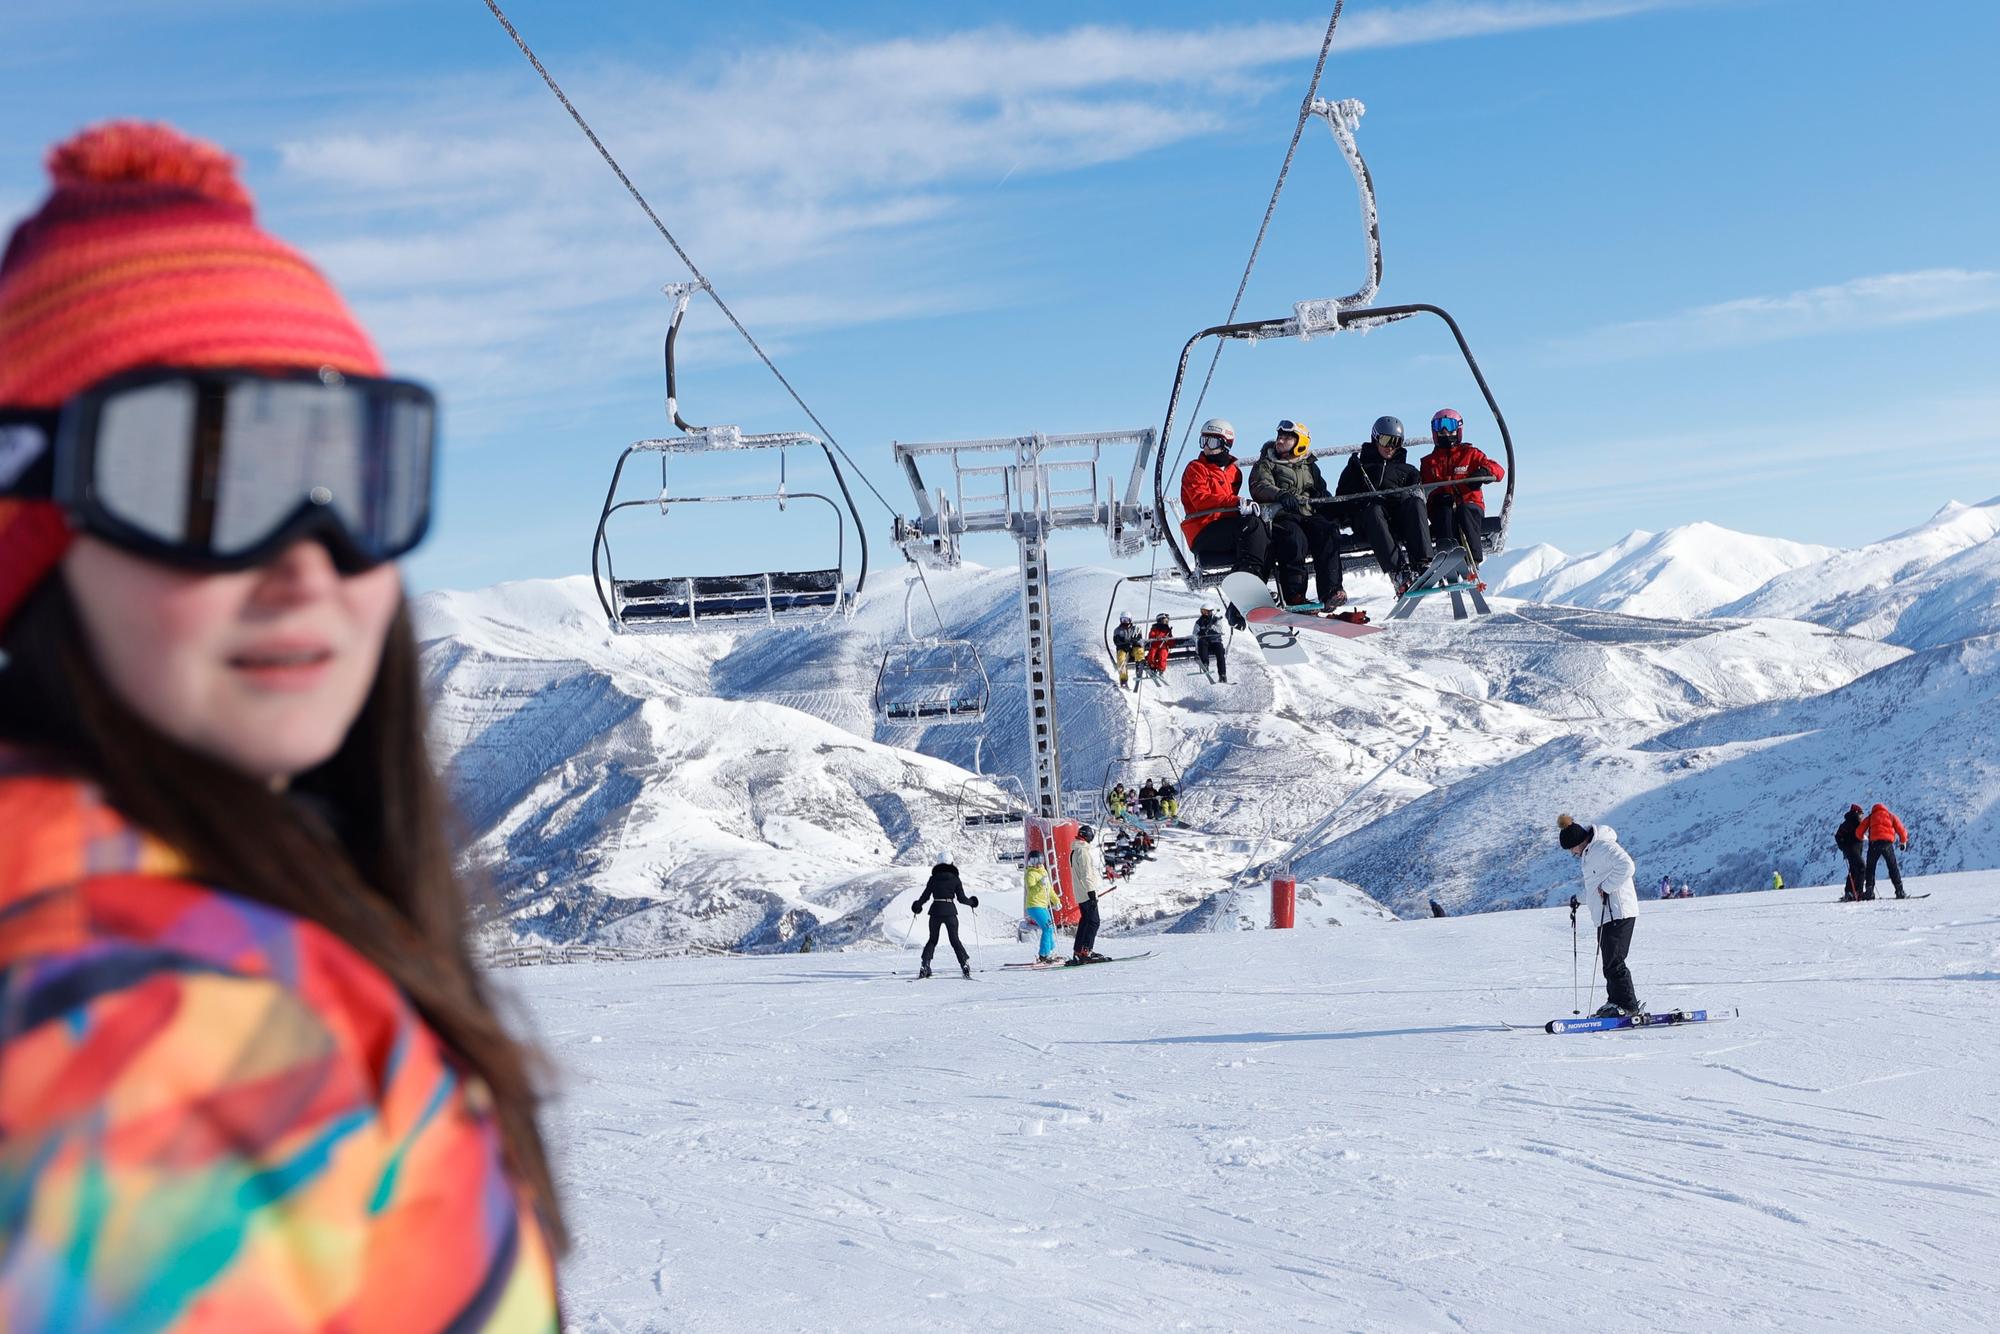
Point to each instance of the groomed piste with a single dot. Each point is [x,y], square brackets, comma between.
[1299,1130]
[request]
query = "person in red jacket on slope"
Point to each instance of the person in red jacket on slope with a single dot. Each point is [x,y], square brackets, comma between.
[1458,510]
[1211,497]
[1884,832]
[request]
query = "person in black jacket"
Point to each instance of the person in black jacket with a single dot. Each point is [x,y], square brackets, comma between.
[1395,525]
[1209,643]
[946,892]
[1848,838]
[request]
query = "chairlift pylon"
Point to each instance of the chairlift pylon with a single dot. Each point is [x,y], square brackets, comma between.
[1319,318]
[931,682]
[682,602]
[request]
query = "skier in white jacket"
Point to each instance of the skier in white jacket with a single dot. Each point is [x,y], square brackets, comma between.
[1612,896]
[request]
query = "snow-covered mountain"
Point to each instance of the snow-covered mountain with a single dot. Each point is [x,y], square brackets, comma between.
[733,791]
[1685,571]
[1937,582]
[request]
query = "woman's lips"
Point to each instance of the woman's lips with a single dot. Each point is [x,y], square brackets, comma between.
[283,664]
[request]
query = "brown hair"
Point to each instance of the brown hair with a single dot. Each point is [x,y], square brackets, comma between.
[359,845]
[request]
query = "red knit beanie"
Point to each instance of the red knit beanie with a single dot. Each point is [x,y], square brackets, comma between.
[146,253]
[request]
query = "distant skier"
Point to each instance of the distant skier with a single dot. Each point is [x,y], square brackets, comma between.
[1666,887]
[1209,643]
[1086,879]
[1394,525]
[1217,530]
[1039,900]
[1128,648]
[1458,510]
[1287,476]
[1851,841]
[1608,888]
[1437,909]
[1149,801]
[1170,801]
[1777,880]
[945,892]
[1885,832]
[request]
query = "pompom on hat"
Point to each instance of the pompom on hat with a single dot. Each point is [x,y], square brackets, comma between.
[147,253]
[1572,835]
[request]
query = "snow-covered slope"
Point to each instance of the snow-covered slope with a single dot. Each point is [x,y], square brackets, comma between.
[1297,1131]
[734,791]
[1685,571]
[1719,803]
[1935,583]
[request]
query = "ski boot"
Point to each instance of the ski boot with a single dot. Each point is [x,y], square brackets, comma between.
[924,971]
[966,969]
[1901,895]
[1045,958]
[1608,1011]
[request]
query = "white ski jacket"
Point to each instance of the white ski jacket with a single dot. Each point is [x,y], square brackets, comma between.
[1085,879]
[1607,877]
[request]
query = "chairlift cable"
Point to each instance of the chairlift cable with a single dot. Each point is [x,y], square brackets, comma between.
[1291,151]
[686,258]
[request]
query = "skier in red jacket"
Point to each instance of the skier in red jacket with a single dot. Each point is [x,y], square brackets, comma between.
[1884,832]
[1211,488]
[1458,511]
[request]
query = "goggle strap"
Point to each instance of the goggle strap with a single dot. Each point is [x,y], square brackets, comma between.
[27,453]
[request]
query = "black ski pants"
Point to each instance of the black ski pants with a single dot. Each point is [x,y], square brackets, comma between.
[947,922]
[1857,869]
[1086,925]
[1298,539]
[1240,541]
[1459,523]
[1614,942]
[1878,849]
[1209,647]
[1390,522]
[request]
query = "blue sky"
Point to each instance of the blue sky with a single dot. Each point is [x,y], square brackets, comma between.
[1731,261]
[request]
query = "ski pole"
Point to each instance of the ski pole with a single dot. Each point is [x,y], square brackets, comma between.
[1597,939]
[911,932]
[1574,984]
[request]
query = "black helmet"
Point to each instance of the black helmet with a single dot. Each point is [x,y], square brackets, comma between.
[1086,833]
[1386,426]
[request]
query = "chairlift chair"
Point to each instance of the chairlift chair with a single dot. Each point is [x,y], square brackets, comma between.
[1319,318]
[929,682]
[665,604]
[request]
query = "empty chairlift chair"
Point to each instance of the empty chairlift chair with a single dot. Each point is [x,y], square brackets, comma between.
[930,683]
[657,604]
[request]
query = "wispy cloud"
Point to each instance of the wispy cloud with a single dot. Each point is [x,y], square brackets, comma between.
[1884,299]
[475,227]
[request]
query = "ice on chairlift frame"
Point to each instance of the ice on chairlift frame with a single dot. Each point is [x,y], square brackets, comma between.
[694,602]
[1310,319]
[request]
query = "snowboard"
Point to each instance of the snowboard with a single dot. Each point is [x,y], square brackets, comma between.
[1594,1025]
[1277,630]
[1886,898]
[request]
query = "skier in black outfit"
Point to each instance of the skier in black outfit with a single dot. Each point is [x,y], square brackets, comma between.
[1209,643]
[1395,526]
[946,892]
[1149,801]
[1848,839]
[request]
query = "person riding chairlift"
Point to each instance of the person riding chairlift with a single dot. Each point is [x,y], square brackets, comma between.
[1222,527]
[1158,640]
[1209,643]
[1458,510]
[1127,649]
[1288,477]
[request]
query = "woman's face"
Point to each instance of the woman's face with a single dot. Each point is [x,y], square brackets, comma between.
[264,670]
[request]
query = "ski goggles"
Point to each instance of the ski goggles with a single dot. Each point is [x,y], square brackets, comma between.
[1388,441]
[223,469]
[1447,425]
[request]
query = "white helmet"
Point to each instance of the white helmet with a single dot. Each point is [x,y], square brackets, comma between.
[1215,428]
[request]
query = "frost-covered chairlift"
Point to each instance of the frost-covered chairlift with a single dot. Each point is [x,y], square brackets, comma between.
[926,682]
[659,604]
[1318,318]
[1182,649]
